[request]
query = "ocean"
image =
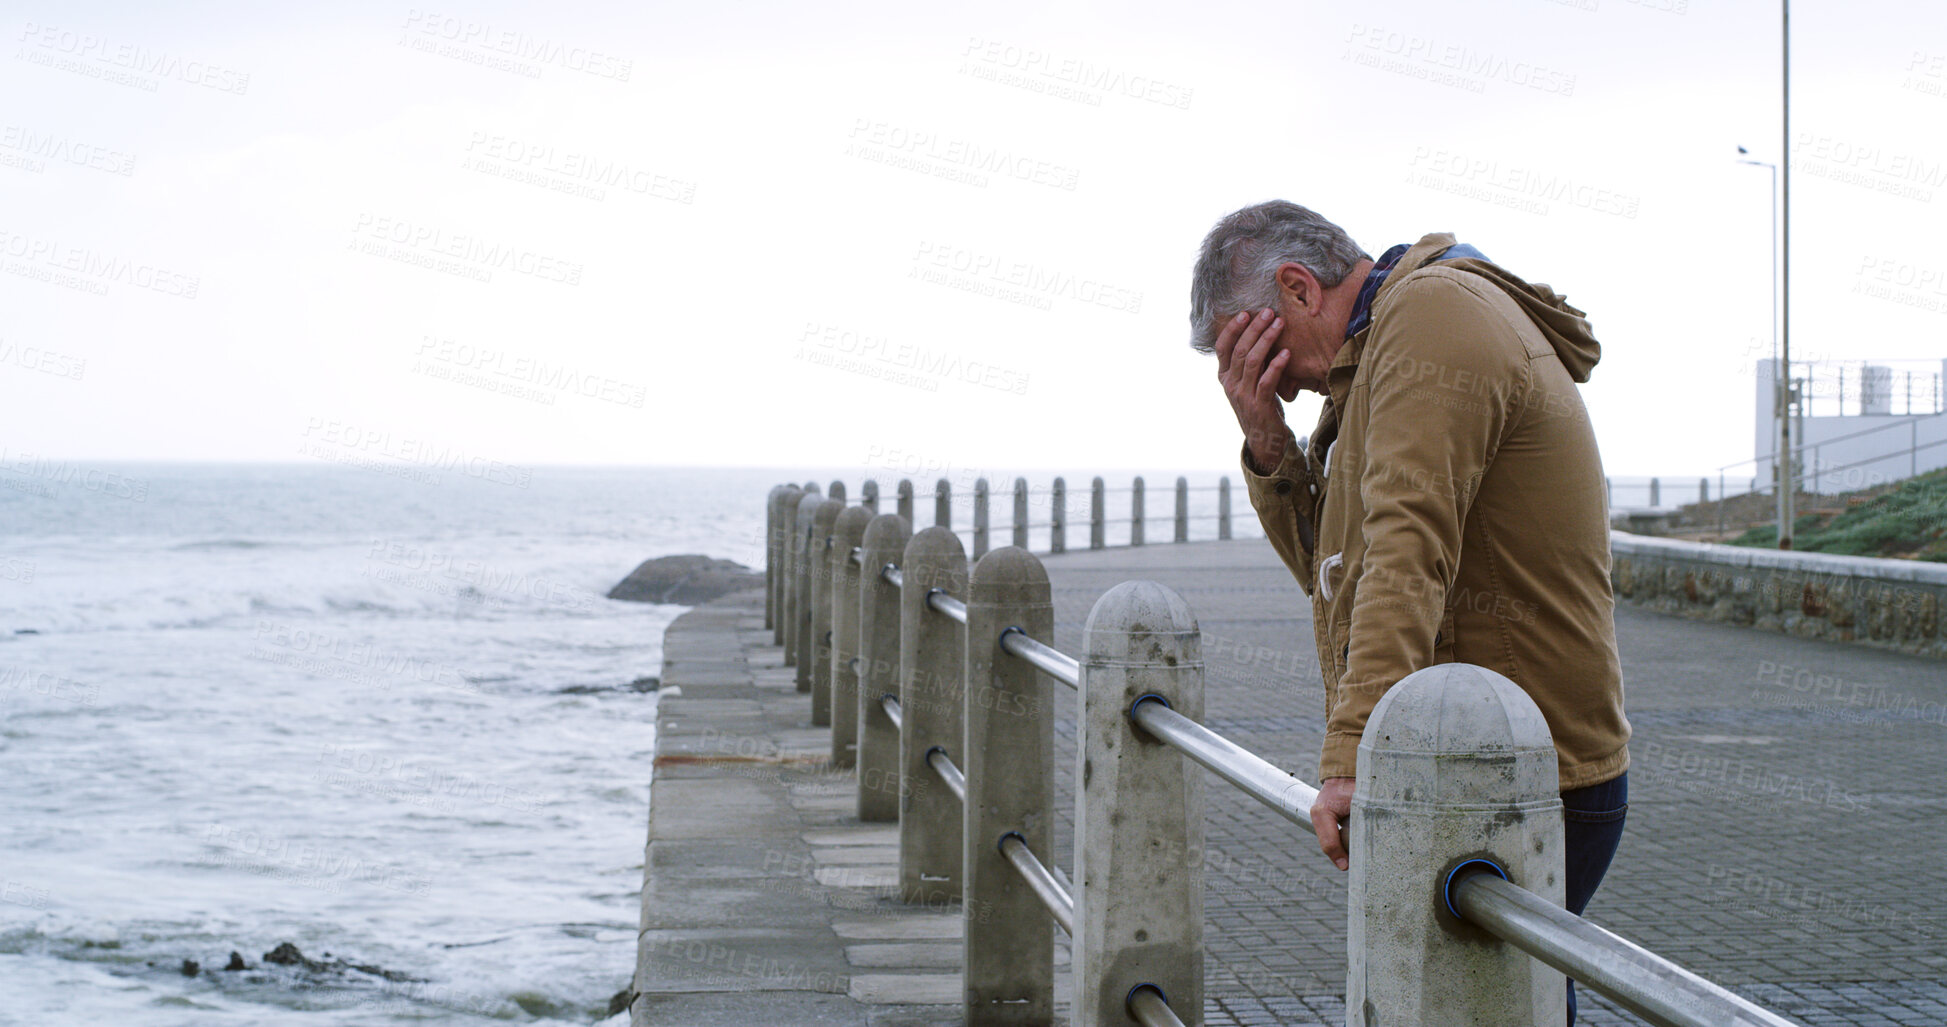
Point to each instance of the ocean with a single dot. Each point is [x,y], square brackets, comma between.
[380,715]
[392,722]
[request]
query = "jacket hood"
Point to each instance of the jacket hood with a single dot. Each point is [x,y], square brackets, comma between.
[1565,327]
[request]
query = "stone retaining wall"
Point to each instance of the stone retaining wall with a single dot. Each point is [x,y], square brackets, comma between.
[1892,604]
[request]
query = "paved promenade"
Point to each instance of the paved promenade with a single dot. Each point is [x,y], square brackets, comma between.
[1787,834]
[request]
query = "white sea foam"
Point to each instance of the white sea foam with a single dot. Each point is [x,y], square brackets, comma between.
[328,708]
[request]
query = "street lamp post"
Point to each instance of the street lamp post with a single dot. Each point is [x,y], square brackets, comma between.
[1781,300]
[1781,391]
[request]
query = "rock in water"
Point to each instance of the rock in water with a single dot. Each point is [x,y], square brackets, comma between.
[191,968]
[236,962]
[286,954]
[685,580]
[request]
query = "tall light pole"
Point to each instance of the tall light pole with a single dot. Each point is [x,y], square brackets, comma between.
[1781,388]
[1789,485]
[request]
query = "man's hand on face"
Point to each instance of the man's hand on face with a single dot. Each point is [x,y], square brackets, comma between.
[1334,803]
[1250,375]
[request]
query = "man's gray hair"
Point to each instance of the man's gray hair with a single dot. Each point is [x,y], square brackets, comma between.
[1238,267]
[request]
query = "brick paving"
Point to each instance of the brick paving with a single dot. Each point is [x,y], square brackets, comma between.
[1786,835]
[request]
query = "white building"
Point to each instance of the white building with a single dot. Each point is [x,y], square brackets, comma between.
[1860,422]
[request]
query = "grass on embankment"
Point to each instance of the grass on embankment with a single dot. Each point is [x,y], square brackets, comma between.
[1908,521]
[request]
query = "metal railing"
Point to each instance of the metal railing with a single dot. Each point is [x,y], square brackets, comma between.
[930,667]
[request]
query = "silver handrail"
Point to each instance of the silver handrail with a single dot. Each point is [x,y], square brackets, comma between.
[1260,780]
[953,608]
[890,703]
[1148,1007]
[1641,981]
[893,575]
[1060,904]
[1055,663]
[942,765]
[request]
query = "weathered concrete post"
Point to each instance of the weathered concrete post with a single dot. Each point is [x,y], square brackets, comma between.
[1182,509]
[1009,962]
[880,782]
[787,583]
[837,491]
[1223,508]
[980,518]
[1138,810]
[1097,515]
[906,499]
[943,503]
[798,625]
[1136,512]
[932,669]
[1020,513]
[1656,490]
[1703,490]
[816,652]
[848,533]
[869,495]
[1456,764]
[1058,518]
[773,509]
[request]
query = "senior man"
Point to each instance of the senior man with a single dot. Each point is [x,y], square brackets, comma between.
[1450,505]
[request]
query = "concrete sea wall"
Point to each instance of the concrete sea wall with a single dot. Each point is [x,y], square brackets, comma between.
[1891,604]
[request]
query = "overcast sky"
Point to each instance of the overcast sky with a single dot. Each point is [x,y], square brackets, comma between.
[812,234]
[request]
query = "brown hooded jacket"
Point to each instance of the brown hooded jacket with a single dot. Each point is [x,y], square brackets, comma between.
[1451,507]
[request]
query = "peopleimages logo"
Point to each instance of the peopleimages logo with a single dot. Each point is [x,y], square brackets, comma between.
[471,256]
[121,63]
[1449,63]
[90,271]
[450,36]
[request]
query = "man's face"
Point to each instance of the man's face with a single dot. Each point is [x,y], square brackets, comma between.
[1305,369]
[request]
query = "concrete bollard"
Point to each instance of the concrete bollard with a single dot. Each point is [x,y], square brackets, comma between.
[1136,505]
[905,509]
[1703,490]
[1009,962]
[1058,518]
[1656,492]
[1020,513]
[816,650]
[1097,515]
[837,491]
[1138,810]
[787,585]
[869,495]
[1456,764]
[798,643]
[1223,508]
[980,518]
[943,503]
[773,509]
[880,782]
[1182,509]
[932,668]
[848,533]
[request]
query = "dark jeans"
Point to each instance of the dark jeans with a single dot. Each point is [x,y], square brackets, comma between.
[1592,824]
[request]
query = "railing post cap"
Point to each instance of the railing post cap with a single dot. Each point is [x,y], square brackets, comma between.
[1009,573]
[1448,733]
[851,522]
[886,531]
[826,512]
[1137,607]
[934,542]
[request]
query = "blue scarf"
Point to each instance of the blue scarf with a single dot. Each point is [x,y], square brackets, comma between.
[1362,307]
